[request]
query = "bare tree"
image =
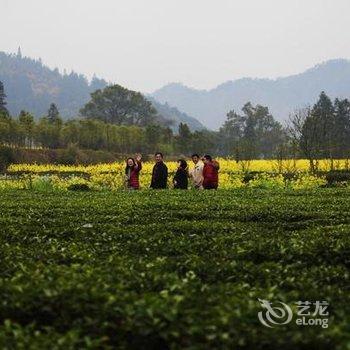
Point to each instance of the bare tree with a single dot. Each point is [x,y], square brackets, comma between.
[304,134]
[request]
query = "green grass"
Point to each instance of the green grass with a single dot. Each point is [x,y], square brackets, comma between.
[178,270]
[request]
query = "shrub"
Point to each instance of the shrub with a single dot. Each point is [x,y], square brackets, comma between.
[42,183]
[6,157]
[78,187]
[335,177]
[70,155]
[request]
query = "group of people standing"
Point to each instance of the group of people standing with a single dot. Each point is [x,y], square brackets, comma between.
[204,174]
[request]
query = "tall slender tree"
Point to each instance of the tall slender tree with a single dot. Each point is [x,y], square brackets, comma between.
[26,125]
[342,128]
[323,113]
[3,108]
[19,52]
[184,139]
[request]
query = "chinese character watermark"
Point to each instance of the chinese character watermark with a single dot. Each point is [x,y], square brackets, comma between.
[308,313]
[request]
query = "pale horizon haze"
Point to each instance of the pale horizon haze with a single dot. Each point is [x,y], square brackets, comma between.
[144,45]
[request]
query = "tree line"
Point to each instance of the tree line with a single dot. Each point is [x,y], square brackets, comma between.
[322,131]
[116,120]
[123,121]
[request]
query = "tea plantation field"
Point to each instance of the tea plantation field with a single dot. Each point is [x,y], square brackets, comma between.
[171,270]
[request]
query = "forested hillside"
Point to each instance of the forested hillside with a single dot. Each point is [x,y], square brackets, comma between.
[32,86]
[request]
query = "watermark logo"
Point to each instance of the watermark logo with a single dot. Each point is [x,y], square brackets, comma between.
[274,315]
[308,313]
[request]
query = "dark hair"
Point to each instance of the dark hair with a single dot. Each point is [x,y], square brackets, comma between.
[183,163]
[159,153]
[127,166]
[208,157]
[195,155]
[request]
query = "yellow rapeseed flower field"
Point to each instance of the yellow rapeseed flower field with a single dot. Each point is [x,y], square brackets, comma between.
[226,166]
[111,176]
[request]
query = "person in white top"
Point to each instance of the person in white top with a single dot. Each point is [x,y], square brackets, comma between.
[196,173]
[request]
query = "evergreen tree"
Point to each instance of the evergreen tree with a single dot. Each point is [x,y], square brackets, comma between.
[152,137]
[3,109]
[205,142]
[19,52]
[53,114]
[184,138]
[97,84]
[319,130]
[27,125]
[324,116]
[231,134]
[52,125]
[342,128]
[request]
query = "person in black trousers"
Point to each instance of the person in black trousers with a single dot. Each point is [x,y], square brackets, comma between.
[181,177]
[159,173]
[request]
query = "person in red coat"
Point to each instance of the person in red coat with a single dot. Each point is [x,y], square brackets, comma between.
[132,172]
[210,173]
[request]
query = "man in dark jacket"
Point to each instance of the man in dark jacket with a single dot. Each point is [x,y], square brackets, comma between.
[159,173]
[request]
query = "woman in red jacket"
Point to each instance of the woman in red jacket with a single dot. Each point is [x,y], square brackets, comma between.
[210,173]
[132,171]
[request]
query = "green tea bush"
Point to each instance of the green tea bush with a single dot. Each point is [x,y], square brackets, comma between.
[171,270]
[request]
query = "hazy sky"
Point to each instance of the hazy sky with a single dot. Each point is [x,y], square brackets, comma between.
[144,44]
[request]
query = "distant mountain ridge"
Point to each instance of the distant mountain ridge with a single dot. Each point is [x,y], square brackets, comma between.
[32,86]
[281,95]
